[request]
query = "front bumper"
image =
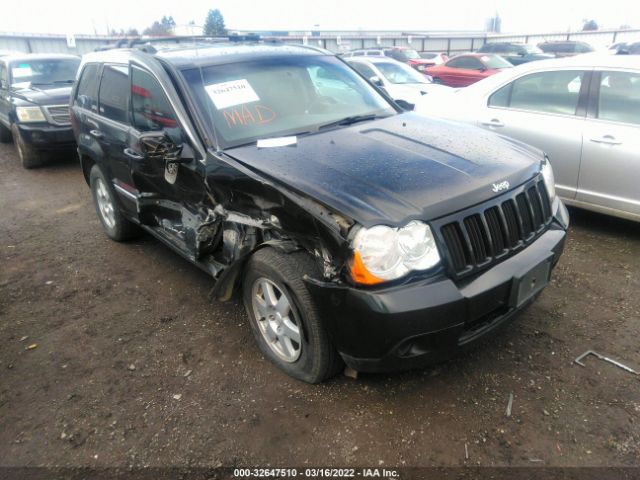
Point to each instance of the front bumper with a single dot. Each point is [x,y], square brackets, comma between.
[427,321]
[47,137]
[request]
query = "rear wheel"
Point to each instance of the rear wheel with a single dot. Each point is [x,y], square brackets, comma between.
[5,134]
[29,156]
[284,320]
[115,224]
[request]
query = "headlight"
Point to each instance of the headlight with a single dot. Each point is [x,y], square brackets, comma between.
[30,114]
[549,180]
[384,253]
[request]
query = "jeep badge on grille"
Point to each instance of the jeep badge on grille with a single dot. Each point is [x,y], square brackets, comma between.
[498,187]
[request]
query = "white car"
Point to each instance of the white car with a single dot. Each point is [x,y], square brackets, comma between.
[582,111]
[401,82]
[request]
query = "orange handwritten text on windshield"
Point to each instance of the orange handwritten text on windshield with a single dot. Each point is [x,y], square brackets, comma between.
[248,115]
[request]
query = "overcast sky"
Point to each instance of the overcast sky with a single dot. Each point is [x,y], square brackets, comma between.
[87,16]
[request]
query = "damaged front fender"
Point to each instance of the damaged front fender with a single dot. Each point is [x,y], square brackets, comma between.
[238,211]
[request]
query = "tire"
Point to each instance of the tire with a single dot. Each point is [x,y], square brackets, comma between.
[115,224]
[5,134]
[29,156]
[317,358]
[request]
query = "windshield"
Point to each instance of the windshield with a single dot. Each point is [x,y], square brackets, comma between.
[411,54]
[44,72]
[400,73]
[275,97]
[531,49]
[495,62]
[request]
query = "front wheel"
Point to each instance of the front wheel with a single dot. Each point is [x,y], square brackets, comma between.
[283,317]
[29,156]
[115,224]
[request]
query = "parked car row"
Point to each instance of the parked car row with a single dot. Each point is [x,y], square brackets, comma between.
[467,68]
[402,54]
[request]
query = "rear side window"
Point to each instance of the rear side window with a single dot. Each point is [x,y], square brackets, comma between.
[363,69]
[398,55]
[468,63]
[620,97]
[559,48]
[151,108]
[114,93]
[86,96]
[545,92]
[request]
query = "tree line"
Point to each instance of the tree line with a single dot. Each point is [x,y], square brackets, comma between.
[213,26]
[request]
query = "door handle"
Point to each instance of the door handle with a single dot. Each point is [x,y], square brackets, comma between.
[494,122]
[132,154]
[606,139]
[96,133]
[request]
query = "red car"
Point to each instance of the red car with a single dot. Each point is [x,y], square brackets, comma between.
[464,70]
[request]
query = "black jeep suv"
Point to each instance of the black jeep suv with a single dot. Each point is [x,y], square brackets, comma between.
[34,104]
[355,232]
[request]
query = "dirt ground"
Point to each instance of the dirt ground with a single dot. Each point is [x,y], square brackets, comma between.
[133,366]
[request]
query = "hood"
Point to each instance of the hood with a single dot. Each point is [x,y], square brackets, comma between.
[44,94]
[395,169]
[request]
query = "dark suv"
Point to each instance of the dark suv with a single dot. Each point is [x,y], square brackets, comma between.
[515,53]
[566,48]
[34,104]
[354,232]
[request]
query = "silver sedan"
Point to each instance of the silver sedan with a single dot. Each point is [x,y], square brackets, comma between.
[583,111]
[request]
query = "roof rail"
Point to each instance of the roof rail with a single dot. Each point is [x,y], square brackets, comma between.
[150,44]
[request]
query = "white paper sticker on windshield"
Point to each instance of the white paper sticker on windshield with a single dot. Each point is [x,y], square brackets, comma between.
[228,94]
[276,142]
[21,72]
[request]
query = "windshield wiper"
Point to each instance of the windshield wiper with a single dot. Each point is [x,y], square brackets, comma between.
[351,120]
[63,81]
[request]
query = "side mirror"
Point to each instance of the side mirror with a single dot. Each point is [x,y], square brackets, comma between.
[159,146]
[376,81]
